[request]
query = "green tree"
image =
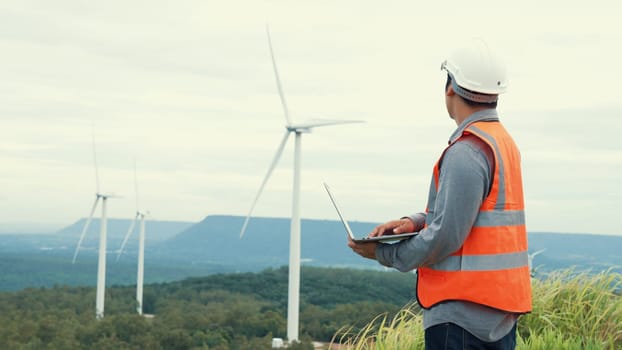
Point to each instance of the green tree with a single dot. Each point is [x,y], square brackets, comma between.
[176,339]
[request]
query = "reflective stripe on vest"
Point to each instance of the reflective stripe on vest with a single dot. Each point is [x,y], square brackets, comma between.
[491,267]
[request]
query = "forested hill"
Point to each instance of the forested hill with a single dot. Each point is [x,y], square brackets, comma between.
[222,311]
[326,287]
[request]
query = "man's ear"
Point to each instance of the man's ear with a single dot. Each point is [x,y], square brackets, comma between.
[450,91]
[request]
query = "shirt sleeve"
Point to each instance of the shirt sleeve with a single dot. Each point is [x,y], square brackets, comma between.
[418,220]
[464,182]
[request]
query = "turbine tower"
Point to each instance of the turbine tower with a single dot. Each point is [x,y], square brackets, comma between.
[101,264]
[140,215]
[298,129]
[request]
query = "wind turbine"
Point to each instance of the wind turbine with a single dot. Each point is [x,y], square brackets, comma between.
[298,129]
[141,247]
[530,261]
[101,264]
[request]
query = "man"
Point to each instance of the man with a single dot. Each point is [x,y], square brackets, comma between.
[471,251]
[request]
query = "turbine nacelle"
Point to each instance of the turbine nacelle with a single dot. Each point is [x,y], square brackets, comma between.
[107,195]
[139,216]
[307,127]
[299,129]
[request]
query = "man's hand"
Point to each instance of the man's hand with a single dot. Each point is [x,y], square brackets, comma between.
[393,228]
[366,250]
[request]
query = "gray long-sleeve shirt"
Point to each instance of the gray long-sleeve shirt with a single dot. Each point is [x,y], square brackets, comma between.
[464,182]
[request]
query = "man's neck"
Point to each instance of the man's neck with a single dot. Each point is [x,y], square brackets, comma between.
[465,111]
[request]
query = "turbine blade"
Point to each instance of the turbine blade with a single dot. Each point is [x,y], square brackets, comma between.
[95,161]
[136,186]
[278,79]
[127,236]
[84,229]
[314,123]
[275,160]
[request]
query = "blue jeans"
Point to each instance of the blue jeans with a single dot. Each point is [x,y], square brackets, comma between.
[449,336]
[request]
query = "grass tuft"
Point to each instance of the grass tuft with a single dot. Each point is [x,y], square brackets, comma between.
[570,311]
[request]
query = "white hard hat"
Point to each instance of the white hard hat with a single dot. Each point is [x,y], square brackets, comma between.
[476,68]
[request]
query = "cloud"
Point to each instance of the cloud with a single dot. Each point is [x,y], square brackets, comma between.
[188,90]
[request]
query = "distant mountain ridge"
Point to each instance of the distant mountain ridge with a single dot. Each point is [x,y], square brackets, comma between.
[323,243]
[216,239]
[176,250]
[118,227]
[157,231]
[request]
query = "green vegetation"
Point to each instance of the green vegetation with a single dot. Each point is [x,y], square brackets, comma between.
[570,311]
[233,311]
[245,310]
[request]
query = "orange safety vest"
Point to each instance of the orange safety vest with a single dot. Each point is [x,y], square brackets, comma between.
[491,268]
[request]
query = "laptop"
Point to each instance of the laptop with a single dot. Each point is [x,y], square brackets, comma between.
[386,238]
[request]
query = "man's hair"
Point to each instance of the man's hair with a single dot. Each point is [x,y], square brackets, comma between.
[469,102]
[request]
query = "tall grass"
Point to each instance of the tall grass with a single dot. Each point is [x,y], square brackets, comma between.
[588,306]
[570,311]
[403,331]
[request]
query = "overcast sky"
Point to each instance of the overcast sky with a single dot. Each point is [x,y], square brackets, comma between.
[187,89]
